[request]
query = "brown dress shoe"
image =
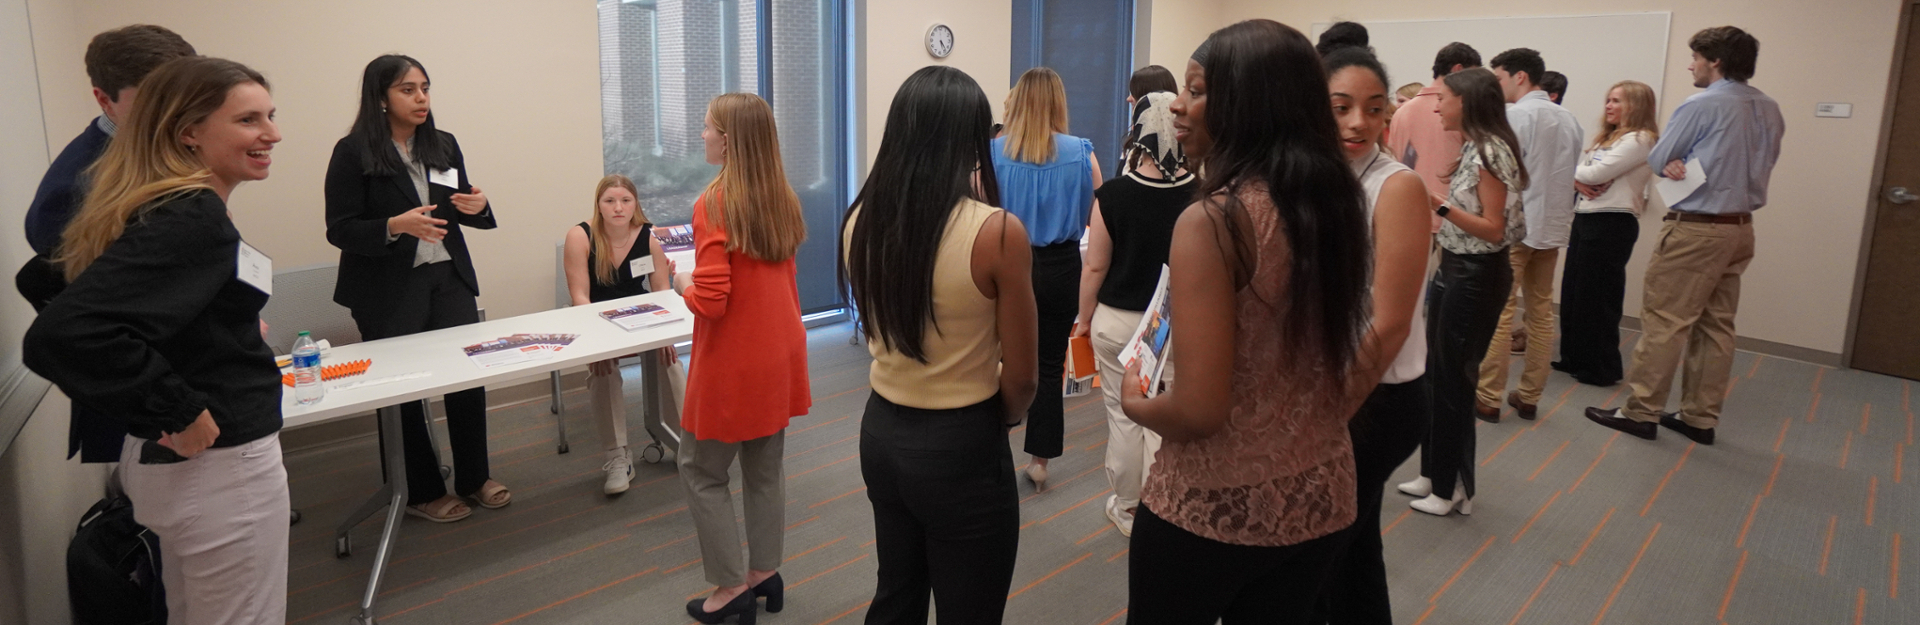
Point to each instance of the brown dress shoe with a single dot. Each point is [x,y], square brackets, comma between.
[1489,414]
[1525,410]
[1519,341]
[1612,418]
[1672,421]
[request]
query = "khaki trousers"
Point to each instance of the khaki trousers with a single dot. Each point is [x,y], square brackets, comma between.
[1692,293]
[703,470]
[1533,288]
[222,521]
[1130,446]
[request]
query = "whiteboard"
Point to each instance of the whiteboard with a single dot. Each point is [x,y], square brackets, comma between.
[1594,51]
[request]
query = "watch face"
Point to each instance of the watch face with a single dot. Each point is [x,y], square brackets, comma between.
[940,41]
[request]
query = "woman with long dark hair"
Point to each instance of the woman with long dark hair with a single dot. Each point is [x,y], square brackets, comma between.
[1045,181]
[1240,519]
[1393,421]
[941,279]
[398,202]
[158,329]
[1483,219]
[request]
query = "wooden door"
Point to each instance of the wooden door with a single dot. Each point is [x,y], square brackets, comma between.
[1887,337]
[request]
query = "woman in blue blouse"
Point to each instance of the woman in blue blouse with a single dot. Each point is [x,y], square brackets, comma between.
[1047,178]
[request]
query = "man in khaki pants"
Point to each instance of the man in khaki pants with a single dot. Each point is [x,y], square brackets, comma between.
[1733,132]
[1550,147]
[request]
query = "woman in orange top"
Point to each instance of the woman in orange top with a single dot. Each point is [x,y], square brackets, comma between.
[748,375]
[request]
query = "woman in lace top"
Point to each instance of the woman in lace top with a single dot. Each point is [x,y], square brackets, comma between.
[1239,519]
[1466,294]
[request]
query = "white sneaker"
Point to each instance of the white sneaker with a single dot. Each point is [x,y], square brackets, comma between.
[1436,506]
[1419,487]
[1120,518]
[619,474]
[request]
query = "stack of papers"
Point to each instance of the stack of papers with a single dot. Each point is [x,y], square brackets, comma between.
[519,348]
[639,316]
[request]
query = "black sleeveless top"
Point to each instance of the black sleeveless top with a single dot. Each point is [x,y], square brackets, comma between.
[1140,213]
[625,284]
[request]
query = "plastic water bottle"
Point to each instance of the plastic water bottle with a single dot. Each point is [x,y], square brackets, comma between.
[308,388]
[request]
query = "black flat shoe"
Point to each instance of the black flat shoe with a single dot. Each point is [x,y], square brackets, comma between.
[774,590]
[1671,421]
[742,606]
[1610,417]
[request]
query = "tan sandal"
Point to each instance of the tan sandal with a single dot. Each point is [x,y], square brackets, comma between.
[492,495]
[442,510]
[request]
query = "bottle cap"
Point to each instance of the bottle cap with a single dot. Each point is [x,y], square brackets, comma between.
[305,333]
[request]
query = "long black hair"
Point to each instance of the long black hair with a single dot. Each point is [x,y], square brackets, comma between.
[938,135]
[1483,119]
[375,133]
[1271,120]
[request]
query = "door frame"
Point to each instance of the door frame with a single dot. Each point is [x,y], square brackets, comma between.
[1888,108]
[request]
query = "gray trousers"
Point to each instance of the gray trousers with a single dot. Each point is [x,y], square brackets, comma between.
[703,470]
[222,522]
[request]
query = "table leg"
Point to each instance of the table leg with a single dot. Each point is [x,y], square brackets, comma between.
[660,405]
[559,411]
[392,496]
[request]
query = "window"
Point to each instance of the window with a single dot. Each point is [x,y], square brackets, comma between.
[662,61]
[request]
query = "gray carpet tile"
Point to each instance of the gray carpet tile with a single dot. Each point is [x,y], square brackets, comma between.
[1802,513]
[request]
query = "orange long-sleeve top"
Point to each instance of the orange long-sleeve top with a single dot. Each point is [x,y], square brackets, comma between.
[748,375]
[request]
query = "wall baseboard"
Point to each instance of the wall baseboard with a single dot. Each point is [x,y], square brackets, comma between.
[1770,348]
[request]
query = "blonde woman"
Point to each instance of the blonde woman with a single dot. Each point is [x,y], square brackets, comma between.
[1612,180]
[746,307]
[159,329]
[611,256]
[1047,178]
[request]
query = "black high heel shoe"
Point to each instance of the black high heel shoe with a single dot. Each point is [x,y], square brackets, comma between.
[743,606]
[774,590]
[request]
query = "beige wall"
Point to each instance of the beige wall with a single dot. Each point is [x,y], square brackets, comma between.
[1178,26]
[527,115]
[895,48]
[1799,289]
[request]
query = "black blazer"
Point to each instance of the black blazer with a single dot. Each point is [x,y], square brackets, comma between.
[373,272]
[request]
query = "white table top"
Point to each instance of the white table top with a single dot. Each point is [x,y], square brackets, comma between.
[439,352]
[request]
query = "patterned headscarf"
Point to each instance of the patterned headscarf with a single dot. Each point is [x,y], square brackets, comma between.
[1153,132]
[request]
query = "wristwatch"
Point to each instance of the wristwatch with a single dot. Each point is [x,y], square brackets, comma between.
[1443,210]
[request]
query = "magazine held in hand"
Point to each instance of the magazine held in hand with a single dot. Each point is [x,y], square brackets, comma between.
[1151,341]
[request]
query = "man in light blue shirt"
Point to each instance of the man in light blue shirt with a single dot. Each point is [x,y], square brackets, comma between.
[1550,148]
[1693,281]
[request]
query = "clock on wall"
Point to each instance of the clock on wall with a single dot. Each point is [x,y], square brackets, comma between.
[940,41]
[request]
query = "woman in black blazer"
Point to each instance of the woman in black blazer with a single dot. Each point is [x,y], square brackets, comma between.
[397,197]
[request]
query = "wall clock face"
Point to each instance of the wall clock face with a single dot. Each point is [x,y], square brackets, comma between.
[940,41]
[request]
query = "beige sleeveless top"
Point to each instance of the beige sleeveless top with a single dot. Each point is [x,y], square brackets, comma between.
[963,353]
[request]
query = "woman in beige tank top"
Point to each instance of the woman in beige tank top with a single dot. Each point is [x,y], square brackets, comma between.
[942,282]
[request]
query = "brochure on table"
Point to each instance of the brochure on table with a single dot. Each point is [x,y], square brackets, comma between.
[639,316]
[518,348]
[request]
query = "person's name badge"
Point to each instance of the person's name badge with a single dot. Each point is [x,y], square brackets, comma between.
[449,178]
[640,267]
[255,268]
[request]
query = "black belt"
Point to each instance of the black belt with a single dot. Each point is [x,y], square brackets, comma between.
[1710,219]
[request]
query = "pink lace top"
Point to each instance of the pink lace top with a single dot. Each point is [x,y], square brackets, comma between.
[1281,471]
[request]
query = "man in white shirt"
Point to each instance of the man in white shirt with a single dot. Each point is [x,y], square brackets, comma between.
[1550,150]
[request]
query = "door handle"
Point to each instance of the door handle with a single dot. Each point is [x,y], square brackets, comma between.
[1900,195]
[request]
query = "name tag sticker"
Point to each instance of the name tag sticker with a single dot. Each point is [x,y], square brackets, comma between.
[255,268]
[449,178]
[641,267]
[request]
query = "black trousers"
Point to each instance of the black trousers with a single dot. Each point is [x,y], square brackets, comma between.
[1591,290]
[946,512]
[1056,292]
[1463,307]
[1179,578]
[1385,431]
[439,299]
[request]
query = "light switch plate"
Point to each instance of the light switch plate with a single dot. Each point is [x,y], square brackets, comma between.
[1833,109]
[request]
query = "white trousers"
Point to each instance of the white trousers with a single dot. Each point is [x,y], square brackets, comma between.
[222,519]
[1130,446]
[606,399]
